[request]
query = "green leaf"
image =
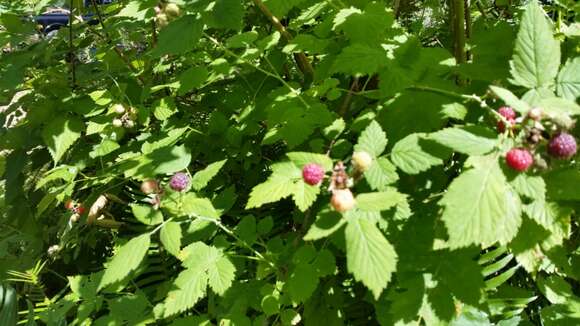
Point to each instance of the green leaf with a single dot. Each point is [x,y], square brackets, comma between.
[164,108]
[369,256]
[179,37]
[360,59]
[164,160]
[106,147]
[304,194]
[372,140]
[470,140]
[303,158]
[532,187]
[201,178]
[192,78]
[281,7]
[191,286]
[127,259]
[550,215]
[221,275]
[170,236]
[536,56]
[411,157]
[568,85]
[563,184]
[480,207]
[146,214]
[327,222]
[379,201]
[60,134]
[302,282]
[279,185]
[369,26]
[510,99]
[381,174]
[226,14]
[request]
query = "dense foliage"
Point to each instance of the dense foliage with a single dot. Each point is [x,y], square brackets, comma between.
[285,162]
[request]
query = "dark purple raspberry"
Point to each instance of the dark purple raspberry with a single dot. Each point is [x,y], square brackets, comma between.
[519,159]
[562,146]
[507,112]
[179,181]
[312,174]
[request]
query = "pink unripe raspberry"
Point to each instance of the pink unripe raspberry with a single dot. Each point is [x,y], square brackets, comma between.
[519,159]
[501,125]
[342,200]
[179,181]
[562,146]
[507,112]
[312,173]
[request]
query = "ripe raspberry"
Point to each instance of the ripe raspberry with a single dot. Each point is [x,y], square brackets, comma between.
[519,159]
[179,181]
[507,112]
[149,187]
[362,161]
[342,200]
[79,209]
[562,146]
[312,173]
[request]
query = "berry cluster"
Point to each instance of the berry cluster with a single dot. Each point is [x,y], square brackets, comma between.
[559,143]
[166,12]
[126,118]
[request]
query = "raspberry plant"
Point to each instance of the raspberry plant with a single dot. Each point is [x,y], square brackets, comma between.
[291,162]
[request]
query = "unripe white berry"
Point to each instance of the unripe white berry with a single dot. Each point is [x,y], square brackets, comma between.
[362,161]
[119,108]
[118,123]
[342,200]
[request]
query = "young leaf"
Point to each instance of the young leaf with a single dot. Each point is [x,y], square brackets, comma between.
[369,256]
[221,275]
[170,236]
[126,260]
[304,194]
[279,185]
[568,85]
[480,207]
[537,53]
[381,174]
[201,178]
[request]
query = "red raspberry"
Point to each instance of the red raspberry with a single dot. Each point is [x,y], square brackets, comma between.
[149,187]
[501,125]
[69,204]
[507,112]
[519,159]
[562,146]
[179,181]
[80,209]
[312,173]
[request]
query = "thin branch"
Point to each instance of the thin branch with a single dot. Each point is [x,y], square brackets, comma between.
[346,103]
[71,53]
[301,59]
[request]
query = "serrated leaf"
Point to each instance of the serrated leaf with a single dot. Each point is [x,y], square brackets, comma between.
[179,37]
[127,259]
[409,156]
[170,236]
[536,56]
[191,287]
[327,222]
[378,201]
[470,140]
[563,184]
[226,14]
[164,108]
[146,214]
[303,158]
[568,85]
[372,140]
[304,194]
[550,215]
[193,77]
[510,99]
[106,147]
[360,59]
[221,275]
[201,178]
[302,282]
[163,160]
[480,207]
[279,185]
[60,134]
[193,206]
[532,187]
[369,256]
[381,174]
